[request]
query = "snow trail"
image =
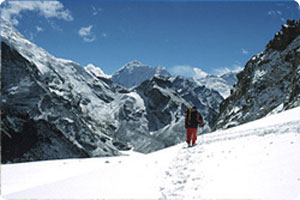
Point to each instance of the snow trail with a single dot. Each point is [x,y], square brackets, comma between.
[182,173]
[257,160]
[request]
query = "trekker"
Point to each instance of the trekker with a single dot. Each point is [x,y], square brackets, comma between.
[192,119]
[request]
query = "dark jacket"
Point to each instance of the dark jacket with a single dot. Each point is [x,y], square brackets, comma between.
[193,118]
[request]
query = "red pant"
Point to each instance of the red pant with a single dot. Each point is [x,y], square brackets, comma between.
[191,134]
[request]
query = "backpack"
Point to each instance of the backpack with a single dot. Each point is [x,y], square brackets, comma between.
[189,119]
[193,118]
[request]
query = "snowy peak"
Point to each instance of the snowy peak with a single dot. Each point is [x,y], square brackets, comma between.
[134,73]
[53,102]
[199,74]
[96,71]
[230,77]
[160,70]
[222,83]
[132,64]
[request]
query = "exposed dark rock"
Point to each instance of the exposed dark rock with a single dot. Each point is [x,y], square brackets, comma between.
[285,36]
[269,82]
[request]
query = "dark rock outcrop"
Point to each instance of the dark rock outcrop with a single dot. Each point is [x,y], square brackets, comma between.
[268,83]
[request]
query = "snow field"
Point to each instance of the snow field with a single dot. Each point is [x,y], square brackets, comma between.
[257,160]
[134,176]
[247,168]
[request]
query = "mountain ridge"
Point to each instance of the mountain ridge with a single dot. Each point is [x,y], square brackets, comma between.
[134,73]
[269,82]
[71,112]
[49,99]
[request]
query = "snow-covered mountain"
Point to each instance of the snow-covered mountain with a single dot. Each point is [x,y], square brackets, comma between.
[257,160]
[269,83]
[96,71]
[134,73]
[51,108]
[54,108]
[165,101]
[205,99]
[230,77]
[151,116]
[221,83]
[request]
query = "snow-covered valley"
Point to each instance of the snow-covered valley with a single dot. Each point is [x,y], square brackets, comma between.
[74,132]
[257,160]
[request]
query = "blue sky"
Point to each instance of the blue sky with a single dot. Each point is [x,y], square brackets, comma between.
[180,35]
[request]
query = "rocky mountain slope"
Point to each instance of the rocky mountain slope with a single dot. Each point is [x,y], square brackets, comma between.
[166,100]
[151,116]
[51,108]
[269,83]
[134,73]
[54,108]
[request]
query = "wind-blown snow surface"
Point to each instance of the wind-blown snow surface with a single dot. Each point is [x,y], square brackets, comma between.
[257,160]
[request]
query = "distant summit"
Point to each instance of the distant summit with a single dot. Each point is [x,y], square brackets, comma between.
[134,73]
[221,83]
